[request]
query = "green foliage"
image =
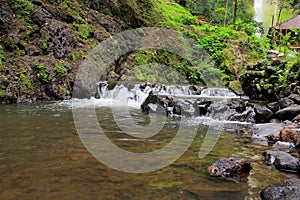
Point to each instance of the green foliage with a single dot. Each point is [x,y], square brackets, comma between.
[62,70]
[42,72]
[25,80]
[186,71]
[64,91]
[23,8]
[43,43]
[3,95]
[217,11]
[177,14]
[84,30]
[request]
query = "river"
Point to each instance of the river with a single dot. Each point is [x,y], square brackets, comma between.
[42,157]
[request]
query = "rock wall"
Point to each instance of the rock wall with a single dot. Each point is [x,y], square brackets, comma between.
[43,42]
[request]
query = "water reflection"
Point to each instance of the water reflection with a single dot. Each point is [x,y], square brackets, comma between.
[42,157]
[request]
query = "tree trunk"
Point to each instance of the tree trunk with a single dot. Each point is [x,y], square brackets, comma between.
[235,2]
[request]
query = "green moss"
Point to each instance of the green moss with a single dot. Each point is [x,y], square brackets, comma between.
[163,185]
[84,30]
[2,58]
[64,91]
[24,9]
[25,80]
[42,72]
[176,13]
[43,43]
[62,70]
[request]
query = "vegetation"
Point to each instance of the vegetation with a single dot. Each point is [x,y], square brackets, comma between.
[42,72]
[2,58]
[224,29]
[60,70]
[23,8]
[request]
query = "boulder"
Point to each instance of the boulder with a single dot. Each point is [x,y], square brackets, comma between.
[282,161]
[283,146]
[288,113]
[268,132]
[262,113]
[233,168]
[285,102]
[246,116]
[273,106]
[295,98]
[288,190]
[287,134]
[297,118]
[182,107]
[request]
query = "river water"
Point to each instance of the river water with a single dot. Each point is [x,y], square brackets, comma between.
[42,157]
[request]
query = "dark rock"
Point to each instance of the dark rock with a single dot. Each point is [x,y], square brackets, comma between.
[272,139]
[262,113]
[202,107]
[60,36]
[151,99]
[196,90]
[282,161]
[235,168]
[295,98]
[238,104]
[285,102]
[274,121]
[182,107]
[40,15]
[274,106]
[219,110]
[246,116]
[297,118]
[288,190]
[288,113]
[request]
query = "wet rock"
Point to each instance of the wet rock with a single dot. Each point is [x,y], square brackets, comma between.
[202,107]
[262,113]
[283,146]
[274,121]
[220,111]
[272,139]
[234,168]
[285,102]
[288,190]
[151,100]
[182,107]
[288,113]
[267,129]
[287,134]
[273,106]
[297,118]
[282,161]
[246,116]
[295,98]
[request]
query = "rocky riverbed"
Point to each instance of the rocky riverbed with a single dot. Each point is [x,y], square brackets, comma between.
[275,125]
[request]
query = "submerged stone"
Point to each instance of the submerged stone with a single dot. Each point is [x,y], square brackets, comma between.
[234,168]
[288,190]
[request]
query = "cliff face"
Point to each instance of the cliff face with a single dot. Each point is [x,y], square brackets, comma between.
[43,42]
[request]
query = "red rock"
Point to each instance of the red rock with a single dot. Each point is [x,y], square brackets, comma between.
[287,134]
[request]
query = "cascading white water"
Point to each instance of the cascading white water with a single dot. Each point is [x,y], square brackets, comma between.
[259,15]
[137,94]
[258,7]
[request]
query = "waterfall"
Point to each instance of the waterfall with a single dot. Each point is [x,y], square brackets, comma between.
[137,93]
[259,15]
[258,7]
